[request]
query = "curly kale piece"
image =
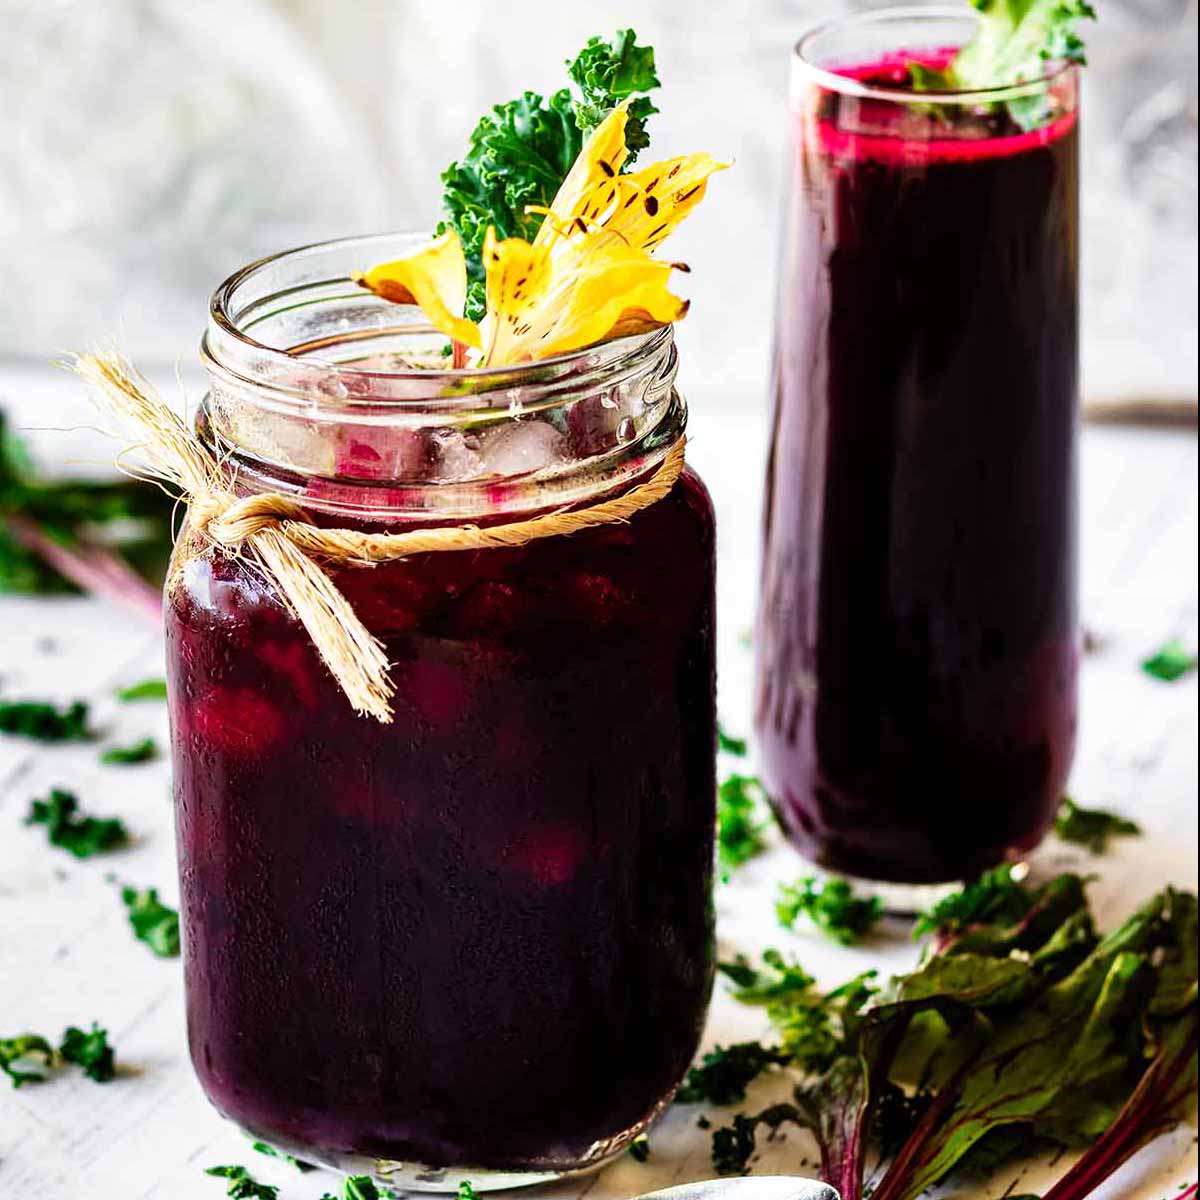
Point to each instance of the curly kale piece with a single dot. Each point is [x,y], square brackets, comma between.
[1016,41]
[1091,827]
[739,827]
[833,907]
[45,722]
[521,151]
[1170,662]
[69,829]
[242,1185]
[152,922]
[607,72]
[996,897]
[26,1058]
[89,1050]
[724,1072]
[142,751]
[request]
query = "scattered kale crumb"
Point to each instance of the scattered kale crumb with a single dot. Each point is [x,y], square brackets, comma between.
[153,922]
[363,1187]
[45,722]
[728,744]
[69,829]
[1170,662]
[273,1152]
[1091,827]
[466,1190]
[832,907]
[89,1050]
[138,752]
[639,1148]
[147,689]
[739,821]
[724,1072]
[732,1146]
[241,1185]
[26,1058]
[777,979]
[702,1122]
[813,1026]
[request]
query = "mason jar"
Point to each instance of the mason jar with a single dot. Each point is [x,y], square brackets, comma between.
[476,941]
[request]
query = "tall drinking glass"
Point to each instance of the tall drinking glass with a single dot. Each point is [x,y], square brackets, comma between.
[917,640]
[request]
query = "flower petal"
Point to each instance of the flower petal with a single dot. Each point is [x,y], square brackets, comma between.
[435,278]
[593,287]
[591,177]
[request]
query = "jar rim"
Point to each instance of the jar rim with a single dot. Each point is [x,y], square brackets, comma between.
[848,85]
[230,348]
[285,413]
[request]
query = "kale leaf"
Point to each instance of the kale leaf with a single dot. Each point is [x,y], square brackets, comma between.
[832,907]
[67,828]
[272,1152]
[739,827]
[147,689]
[26,1058]
[139,752]
[995,897]
[152,921]
[607,72]
[89,1050]
[733,1145]
[1016,41]
[242,1185]
[723,1073]
[45,722]
[1017,38]
[1091,827]
[728,744]
[1170,662]
[520,153]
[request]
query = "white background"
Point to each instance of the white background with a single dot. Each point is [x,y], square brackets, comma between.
[150,147]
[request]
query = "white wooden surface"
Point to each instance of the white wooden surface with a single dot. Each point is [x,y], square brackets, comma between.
[67,956]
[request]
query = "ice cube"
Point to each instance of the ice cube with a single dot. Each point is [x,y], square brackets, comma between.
[522,447]
[381,452]
[456,456]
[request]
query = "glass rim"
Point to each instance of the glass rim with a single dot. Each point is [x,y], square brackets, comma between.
[611,356]
[849,86]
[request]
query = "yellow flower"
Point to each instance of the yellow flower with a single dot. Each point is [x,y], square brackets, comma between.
[588,275]
[435,279]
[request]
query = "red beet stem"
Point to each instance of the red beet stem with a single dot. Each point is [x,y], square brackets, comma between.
[91,568]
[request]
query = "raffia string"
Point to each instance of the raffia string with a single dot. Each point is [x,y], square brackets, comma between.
[274,531]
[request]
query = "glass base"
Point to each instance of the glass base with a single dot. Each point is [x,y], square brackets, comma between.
[421,1177]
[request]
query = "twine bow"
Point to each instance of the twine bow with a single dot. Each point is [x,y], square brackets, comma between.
[274,531]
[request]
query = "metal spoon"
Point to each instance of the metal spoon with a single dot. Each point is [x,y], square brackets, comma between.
[751,1187]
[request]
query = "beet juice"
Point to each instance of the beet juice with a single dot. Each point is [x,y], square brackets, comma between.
[477,941]
[916,703]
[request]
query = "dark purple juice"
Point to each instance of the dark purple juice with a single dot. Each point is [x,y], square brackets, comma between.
[916,702]
[481,935]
